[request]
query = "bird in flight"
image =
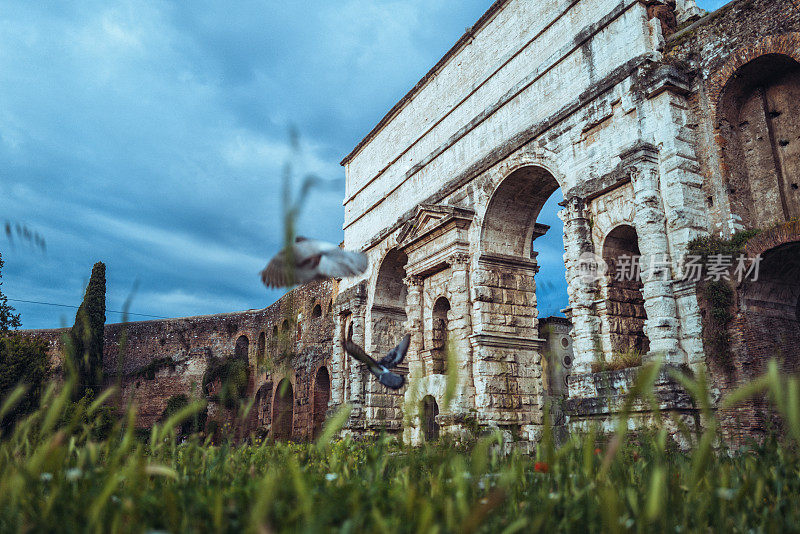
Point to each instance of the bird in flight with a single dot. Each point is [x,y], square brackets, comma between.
[381,368]
[308,259]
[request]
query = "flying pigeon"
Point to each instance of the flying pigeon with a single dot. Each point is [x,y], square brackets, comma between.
[309,259]
[381,368]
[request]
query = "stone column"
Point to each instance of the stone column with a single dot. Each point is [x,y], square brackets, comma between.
[414,326]
[661,326]
[461,329]
[582,283]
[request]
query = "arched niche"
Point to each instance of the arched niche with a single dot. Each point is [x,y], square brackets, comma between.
[322,394]
[429,409]
[283,411]
[242,348]
[759,122]
[388,306]
[625,313]
[263,403]
[439,335]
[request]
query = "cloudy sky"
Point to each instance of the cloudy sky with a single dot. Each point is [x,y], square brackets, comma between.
[151,135]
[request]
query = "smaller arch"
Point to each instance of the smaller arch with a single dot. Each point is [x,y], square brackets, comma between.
[285,326]
[625,312]
[316,311]
[283,410]
[242,348]
[429,411]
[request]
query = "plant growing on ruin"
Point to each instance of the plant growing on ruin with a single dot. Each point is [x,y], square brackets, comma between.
[8,319]
[86,335]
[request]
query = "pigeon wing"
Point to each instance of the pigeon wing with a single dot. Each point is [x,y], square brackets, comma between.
[358,353]
[397,354]
[274,274]
[338,263]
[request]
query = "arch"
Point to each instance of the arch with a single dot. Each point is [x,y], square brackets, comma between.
[625,314]
[283,411]
[262,346]
[322,394]
[316,311]
[759,127]
[429,410]
[285,326]
[439,335]
[263,402]
[242,348]
[389,302]
[509,222]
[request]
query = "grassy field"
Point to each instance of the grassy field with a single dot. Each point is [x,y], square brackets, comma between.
[56,475]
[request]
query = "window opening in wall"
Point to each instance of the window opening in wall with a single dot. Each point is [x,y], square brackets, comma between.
[316,312]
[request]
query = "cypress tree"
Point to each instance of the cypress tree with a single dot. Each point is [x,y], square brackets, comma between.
[87,333]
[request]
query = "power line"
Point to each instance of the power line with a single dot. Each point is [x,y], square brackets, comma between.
[70,306]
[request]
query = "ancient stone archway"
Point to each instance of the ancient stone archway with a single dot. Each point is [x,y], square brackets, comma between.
[242,348]
[439,335]
[509,343]
[624,316]
[759,121]
[283,411]
[263,403]
[429,410]
[322,394]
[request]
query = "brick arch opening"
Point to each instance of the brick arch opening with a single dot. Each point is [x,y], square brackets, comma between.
[389,303]
[759,127]
[625,314]
[439,335]
[322,394]
[770,309]
[316,311]
[242,348]
[429,410]
[283,411]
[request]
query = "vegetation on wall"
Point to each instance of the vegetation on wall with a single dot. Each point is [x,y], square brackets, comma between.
[718,294]
[193,424]
[232,375]
[86,335]
[8,319]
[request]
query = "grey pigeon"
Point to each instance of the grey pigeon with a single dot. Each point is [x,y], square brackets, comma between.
[381,369]
[309,259]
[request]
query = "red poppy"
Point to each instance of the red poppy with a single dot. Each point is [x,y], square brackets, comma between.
[597,451]
[541,467]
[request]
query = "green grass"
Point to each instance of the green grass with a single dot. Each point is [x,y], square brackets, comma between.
[55,477]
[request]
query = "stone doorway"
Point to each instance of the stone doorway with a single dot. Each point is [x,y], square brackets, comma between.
[430,409]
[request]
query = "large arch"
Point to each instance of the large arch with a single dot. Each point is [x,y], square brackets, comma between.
[283,411]
[759,122]
[322,394]
[505,294]
[625,316]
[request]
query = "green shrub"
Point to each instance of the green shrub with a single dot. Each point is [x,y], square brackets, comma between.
[175,404]
[23,360]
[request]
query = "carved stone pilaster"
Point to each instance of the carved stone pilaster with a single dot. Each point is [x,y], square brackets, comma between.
[582,289]
[661,326]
